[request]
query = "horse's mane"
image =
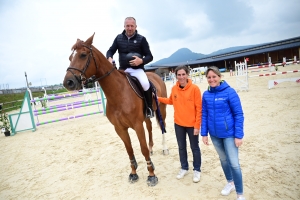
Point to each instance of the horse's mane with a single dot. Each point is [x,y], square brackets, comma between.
[122,72]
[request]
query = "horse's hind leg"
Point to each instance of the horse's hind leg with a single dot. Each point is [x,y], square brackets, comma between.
[163,112]
[123,134]
[149,129]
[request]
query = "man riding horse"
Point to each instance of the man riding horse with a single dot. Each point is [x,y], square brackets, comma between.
[134,53]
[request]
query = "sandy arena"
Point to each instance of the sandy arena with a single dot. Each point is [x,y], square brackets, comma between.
[85,159]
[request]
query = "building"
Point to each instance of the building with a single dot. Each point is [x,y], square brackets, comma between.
[256,54]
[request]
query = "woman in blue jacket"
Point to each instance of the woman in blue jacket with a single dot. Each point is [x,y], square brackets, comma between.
[223,119]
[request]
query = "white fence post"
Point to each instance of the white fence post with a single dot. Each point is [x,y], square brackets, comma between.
[241,73]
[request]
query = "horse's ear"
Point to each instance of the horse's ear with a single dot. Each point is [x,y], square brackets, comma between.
[89,41]
[77,45]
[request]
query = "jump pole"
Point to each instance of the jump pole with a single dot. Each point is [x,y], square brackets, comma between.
[67,118]
[68,105]
[96,102]
[275,73]
[64,96]
[59,109]
[242,80]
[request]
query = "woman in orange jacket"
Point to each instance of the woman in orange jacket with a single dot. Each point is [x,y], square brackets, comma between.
[186,99]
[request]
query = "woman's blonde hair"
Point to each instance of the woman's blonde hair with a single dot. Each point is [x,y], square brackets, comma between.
[214,69]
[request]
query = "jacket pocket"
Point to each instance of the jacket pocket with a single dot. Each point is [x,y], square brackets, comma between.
[225,123]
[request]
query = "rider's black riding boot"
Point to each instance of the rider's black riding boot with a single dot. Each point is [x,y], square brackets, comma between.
[148,96]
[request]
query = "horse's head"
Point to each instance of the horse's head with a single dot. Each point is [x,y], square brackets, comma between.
[81,61]
[84,65]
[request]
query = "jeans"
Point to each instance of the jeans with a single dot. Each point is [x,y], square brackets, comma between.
[229,157]
[181,133]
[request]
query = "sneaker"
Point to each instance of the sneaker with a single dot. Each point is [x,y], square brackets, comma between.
[241,198]
[227,189]
[182,173]
[196,177]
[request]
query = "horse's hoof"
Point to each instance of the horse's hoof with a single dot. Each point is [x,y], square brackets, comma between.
[133,178]
[152,181]
[166,152]
[151,153]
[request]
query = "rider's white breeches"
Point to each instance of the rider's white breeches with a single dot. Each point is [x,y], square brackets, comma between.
[141,76]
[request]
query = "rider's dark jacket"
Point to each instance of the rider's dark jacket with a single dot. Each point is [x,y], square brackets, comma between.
[125,45]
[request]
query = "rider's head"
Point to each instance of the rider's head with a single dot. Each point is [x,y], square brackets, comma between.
[130,26]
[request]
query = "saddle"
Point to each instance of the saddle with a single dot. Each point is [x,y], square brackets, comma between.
[138,89]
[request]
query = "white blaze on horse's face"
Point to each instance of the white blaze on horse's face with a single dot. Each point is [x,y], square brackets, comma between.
[75,52]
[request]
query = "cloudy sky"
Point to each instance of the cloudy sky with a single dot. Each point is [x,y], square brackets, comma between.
[36,35]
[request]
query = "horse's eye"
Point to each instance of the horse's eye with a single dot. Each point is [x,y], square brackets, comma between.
[83,55]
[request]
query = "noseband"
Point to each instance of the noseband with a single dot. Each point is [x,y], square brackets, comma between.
[82,79]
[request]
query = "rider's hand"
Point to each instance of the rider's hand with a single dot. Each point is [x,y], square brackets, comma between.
[110,59]
[136,62]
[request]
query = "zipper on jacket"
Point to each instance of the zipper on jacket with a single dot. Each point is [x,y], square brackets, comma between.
[215,115]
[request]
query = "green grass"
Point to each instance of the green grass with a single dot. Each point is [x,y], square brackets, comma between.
[5,98]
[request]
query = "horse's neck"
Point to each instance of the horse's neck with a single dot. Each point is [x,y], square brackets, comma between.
[113,84]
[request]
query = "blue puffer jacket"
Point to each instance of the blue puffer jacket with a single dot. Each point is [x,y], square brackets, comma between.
[222,113]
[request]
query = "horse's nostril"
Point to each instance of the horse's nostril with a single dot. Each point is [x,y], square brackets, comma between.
[70,83]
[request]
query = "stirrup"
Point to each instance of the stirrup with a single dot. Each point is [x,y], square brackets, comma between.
[149,113]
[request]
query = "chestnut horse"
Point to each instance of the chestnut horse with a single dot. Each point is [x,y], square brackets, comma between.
[124,108]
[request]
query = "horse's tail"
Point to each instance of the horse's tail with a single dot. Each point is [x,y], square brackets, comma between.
[160,121]
[158,116]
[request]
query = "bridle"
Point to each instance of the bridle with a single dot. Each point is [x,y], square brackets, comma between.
[82,79]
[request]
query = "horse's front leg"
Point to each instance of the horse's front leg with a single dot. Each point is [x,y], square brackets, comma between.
[123,134]
[149,129]
[152,179]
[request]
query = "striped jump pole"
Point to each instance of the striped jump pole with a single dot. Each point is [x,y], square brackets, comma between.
[69,105]
[258,67]
[260,70]
[68,118]
[64,96]
[275,73]
[59,109]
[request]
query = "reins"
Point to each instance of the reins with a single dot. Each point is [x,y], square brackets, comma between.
[82,72]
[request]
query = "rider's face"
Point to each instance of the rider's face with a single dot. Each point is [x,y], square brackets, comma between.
[130,27]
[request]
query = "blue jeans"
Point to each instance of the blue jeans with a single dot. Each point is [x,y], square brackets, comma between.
[229,157]
[181,132]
